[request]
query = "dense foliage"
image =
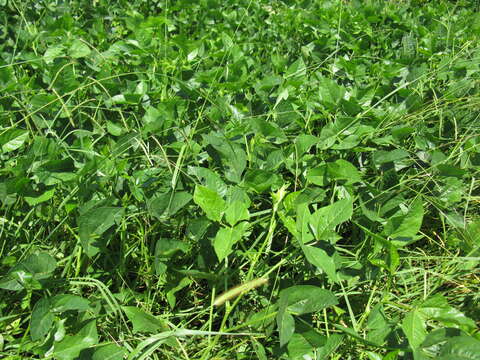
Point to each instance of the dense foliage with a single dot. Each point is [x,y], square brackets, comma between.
[155,154]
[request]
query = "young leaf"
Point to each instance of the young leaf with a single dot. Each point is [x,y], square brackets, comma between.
[324,220]
[236,211]
[144,322]
[71,346]
[42,319]
[79,49]
[95,222]
[13,139]
[210,202]
[402,229]
[226,238]
[66,302]
[319,258]
[343,170]
[286,327]
[461,347]
[413,325]
[109,352]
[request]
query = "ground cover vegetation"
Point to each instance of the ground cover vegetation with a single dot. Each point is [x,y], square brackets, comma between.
[317,162]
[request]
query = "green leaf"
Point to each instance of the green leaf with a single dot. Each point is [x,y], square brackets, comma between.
[296,70]
[226,238]
[343,170]
[300,299]
[286,327]
[330,93]
[379,327]
[382,157]
[232,155]
[267,129]
[39,264]
[79,49]
[318,175]
[322,260]
[29,272]
[210,179]
[260,180]
[53,52]
[236,212]
[324,220]
[304,299]
[13,139]
[144,322]
[71,346]
[109,352]
[210,202]
[95,222]
[437,308]
[42,319]
[402,229]
[115,129]
[461,348]
[43,197]
[413,325]
[179,200]
[304,142]
[66,302]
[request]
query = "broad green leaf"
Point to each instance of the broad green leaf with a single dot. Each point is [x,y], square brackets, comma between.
[261,180]
[330,93]
[95,222]
[304,299]
[42,319]
[233,156]
[236,212]
[332,132]
[403,228]
[53,52]
[166,248]
[300,299]
[382,157]
[71,346]
[437,308]
[29,272]
[178,201]
[344,170]
[210,202]
[115,129]
[296,70]
[226,238]
[267,129]
[286,327]
[440,335]
[210,179]
[332,344]
[79,49]
[304,142]
[324,220]
[318,175]
[13,139]
[413,325]
[267,83]
[109,352]
[39,264]
[461,348]
[378,326]
[299,347]
[322,260]
[66,302]
[144,322]
[45,196]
